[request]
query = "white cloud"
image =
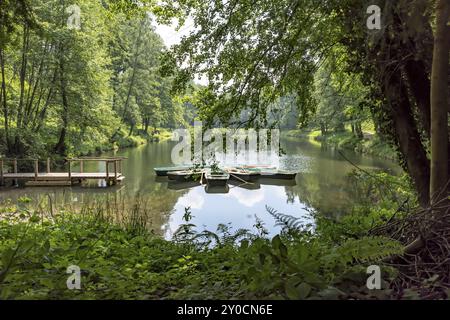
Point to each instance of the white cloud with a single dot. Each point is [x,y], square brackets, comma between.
[194,199]
[247,198]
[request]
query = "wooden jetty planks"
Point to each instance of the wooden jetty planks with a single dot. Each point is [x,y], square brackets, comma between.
[37,178]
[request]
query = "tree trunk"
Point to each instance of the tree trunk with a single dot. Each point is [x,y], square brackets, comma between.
[419,83]
[133,74]
[323,129]
[23,70]
[60,147]
[358,130]
[131,130]
[146,124]
[408,137]
[5,102]
[439,103]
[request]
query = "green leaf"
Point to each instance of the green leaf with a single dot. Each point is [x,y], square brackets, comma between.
[300,291]
[304,290]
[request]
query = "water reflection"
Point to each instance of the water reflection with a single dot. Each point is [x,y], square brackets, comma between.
[322,184]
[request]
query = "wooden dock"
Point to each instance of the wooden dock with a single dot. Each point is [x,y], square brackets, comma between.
[112,175]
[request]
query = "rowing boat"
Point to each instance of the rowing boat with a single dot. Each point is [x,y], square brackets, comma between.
[256,168]
[242,174]
[184,175]
[182,185]
[277,182]
[245,185]
[217,189]
[163,171]
[216,178]
[278,174]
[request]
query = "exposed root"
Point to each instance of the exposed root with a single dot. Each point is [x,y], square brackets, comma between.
[425,266]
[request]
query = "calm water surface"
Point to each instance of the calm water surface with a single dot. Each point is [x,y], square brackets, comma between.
[322,184]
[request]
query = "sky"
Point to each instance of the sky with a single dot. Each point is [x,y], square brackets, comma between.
[170,37]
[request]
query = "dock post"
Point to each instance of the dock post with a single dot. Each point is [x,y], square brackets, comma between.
[70,171]
[48,165]
[107,172]
[36,169]
[16,181]
[81,166]
[115,171]
[2,181]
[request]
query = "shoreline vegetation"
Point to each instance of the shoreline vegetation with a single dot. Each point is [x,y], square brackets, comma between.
[120,258]
[369,144]
[122,140]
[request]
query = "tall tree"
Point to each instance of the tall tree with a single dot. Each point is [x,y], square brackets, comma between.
[440,102]
[252,55]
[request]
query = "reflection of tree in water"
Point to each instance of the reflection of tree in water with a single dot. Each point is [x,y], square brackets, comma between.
[154,206]
[327,195]
[324,183]
[290,195]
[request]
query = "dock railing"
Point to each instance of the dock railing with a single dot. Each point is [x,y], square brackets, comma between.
[49,175]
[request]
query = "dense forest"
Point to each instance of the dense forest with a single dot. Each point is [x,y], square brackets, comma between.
[74,91]
[314,68]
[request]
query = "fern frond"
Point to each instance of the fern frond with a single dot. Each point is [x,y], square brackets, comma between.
[285,221]
[208,236]
[239,234]
[369,249]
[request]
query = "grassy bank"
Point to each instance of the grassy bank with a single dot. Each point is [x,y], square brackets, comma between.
[370,144]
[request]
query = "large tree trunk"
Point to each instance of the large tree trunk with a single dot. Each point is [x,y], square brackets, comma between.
[408,137]
[439,103]
[418,80]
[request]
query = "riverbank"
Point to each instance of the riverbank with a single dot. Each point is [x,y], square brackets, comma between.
[369,145]
[123,140]
[90,147]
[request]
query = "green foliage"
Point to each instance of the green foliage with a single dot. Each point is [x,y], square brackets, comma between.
[248,67]
[122,139]
[380,197]
[341,98]
[127,262]
[73,91]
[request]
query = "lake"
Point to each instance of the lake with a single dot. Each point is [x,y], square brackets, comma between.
[322,184]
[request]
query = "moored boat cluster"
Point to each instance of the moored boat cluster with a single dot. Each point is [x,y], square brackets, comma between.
[221,177]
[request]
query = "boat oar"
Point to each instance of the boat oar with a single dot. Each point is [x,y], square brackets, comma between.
[242,180]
